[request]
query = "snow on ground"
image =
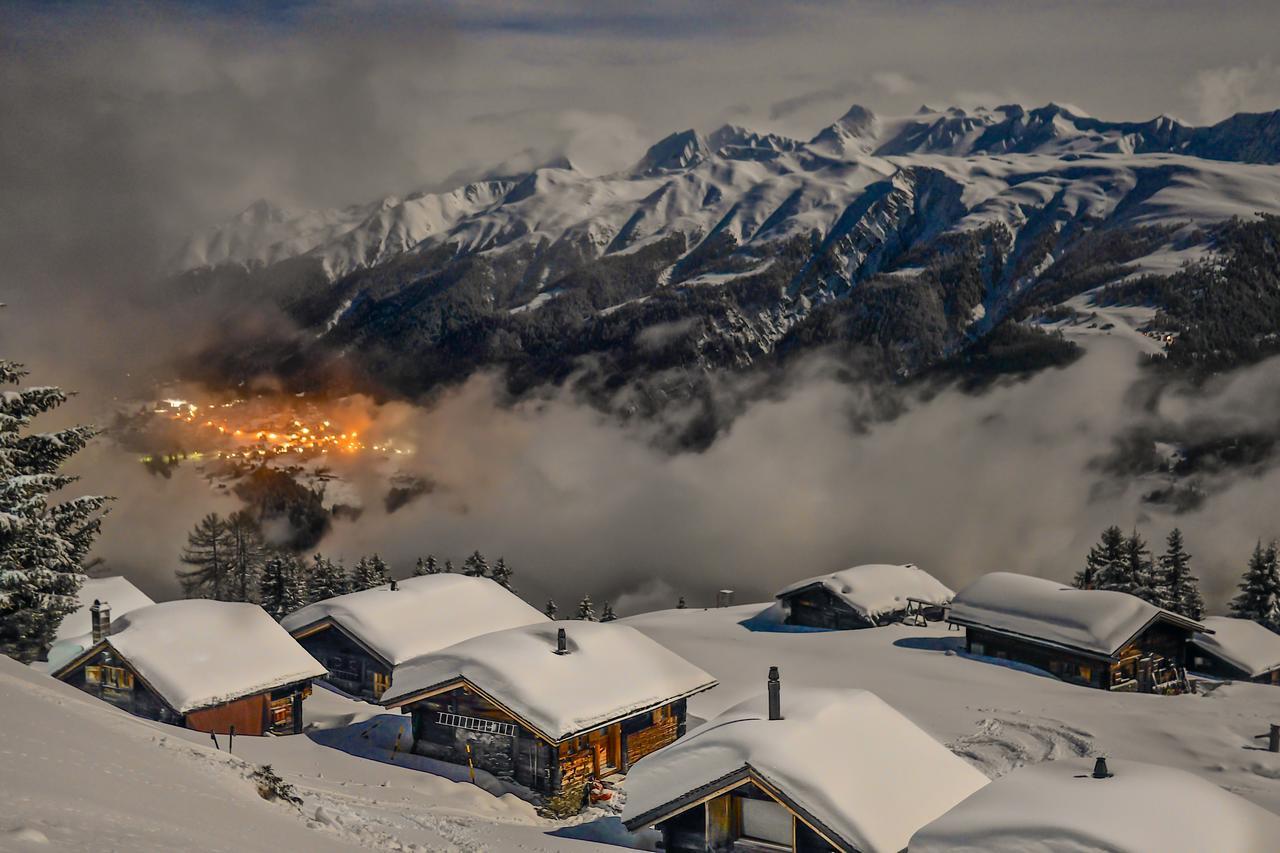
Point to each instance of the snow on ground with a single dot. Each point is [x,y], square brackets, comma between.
[997,717]
[1061,807]
[80,774]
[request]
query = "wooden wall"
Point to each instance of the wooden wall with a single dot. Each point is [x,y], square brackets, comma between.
[351,668]
[248,715]
[816,607]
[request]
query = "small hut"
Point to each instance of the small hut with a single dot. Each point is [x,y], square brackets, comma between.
[1238,649]
[212,666]
[864,597]
[1097,638]
[362,636]
[805,770]
[550,706]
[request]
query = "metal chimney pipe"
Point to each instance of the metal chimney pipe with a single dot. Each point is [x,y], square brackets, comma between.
[393,585]
[100,620]
[1100,768]
[562,642]
[775,694]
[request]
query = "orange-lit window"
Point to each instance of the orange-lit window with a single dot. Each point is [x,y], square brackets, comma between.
[282,713]
[666,712]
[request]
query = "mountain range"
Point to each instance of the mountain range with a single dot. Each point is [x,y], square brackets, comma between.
[911,242]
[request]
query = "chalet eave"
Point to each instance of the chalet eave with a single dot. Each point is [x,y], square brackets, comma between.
[554,740]
[1111,656]
[327,622]
[727,783]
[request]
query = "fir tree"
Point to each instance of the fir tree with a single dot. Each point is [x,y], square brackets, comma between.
[551,610]
[426,567]
[502,574]
[1259,596]
[1103,558]
[208,552]
[1181,589]
[326,579]
[476,566]
[246,554]
[1134,574]
[368,573]
[586,611]
[448,567]
[680,605]
[43,543]
[280,589]
[608,615]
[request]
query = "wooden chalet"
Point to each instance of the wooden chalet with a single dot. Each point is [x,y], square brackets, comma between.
[1238,649]
[362,636]
[212,666]
[864,597]
[825,770]
[549,706]
[1096,638]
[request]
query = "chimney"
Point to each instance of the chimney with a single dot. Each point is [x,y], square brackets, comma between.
[724,598]
[100,618]
[562,642]
[775,694]
[1100,769]
[393,585]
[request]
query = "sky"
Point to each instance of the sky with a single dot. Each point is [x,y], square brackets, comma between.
[129,126]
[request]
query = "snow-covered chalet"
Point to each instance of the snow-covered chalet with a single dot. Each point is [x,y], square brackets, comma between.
[864,597]
[1238,649]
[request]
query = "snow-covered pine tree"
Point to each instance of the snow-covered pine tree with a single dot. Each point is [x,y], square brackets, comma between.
[448,567]
[247,554]
[551,610]
[1181,589]
[368,573]
[1108,553]
[1259,596]
[502,574]
[608,615]
[326,579]
[280,589]
[42,543]
[586,611]
[426,566]
[1133,574]
[208,552]
[476,566]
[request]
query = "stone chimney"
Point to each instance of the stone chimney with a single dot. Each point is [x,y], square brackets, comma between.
[562,642]
[100,618]
[775,694]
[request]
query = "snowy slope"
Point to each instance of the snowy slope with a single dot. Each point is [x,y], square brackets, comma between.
[995,716]
[1060,808]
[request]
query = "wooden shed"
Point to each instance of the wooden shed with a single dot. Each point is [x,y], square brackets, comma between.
[810,770]
[1096,638]
[1238,649]
[362,636]
[551,706]
[864,597]
[205,665]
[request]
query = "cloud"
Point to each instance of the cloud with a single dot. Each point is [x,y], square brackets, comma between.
[1222,92]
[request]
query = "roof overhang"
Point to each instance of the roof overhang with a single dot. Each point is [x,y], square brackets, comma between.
[456,682]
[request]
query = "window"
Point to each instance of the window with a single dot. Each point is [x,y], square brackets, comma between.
[666,712]
[282,713]
[765,820]
[977,649]
[381,681]
[114,677]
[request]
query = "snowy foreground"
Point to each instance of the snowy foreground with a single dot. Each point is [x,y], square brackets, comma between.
[79,774]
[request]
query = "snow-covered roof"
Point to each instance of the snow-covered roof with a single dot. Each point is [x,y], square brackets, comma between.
[117,591]
[1091,620]
[844,757]
[421,615]
[1057,807]
[610,671]
[200,653]
[876,589]
[1242,643]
